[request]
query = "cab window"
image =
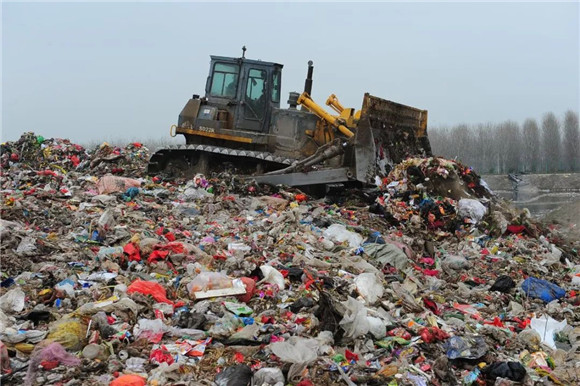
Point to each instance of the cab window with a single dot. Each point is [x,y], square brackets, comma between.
[276,87]
[255,98]
[225,80]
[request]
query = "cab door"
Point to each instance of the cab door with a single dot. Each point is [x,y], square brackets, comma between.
[253,109]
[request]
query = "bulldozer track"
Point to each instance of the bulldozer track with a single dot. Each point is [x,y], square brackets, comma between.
[159,155]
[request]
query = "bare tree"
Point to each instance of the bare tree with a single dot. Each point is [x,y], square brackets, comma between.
[462,142]
[508,143]
[531,156]
[438,137]
[551,142]
[571,156]
[485,148]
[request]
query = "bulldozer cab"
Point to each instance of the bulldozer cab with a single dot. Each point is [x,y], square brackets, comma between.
[247,89]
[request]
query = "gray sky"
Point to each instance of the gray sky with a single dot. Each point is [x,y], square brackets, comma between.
[102,71]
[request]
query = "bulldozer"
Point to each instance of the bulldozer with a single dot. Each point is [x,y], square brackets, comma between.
[239,125]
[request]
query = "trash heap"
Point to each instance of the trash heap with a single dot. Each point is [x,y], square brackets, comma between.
[116,278]
[128,161]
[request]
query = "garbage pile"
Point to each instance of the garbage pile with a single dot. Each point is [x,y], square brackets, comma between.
[122,279]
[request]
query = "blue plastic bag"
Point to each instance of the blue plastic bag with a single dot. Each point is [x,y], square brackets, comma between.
[538,288]
[131,193]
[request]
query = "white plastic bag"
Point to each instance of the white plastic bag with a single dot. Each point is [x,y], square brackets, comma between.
[249,332]
[26,247]
[454,263]
[369,287]
[13,300]
[377,327]
[268,376]
[355,322]
[296,350]
[339,233]
[473,209]
[272,276]
[107,219]
[206,281]
[547,327]
[576,276]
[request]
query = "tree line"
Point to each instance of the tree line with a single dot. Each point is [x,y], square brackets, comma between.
[550,146]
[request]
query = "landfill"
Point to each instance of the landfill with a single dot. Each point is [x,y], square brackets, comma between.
[113,277]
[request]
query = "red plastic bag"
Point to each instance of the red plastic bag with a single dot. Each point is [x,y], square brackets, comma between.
[350,356]
[133,251]
[430,304]
[161,355]
[433,334]
[157,255]
[301,197]
[152,288]
[250,289]
[128,380]
[516,229]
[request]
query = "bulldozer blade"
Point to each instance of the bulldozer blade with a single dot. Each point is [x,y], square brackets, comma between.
[390,132]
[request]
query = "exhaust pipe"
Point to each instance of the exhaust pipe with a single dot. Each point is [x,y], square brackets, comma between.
[308,82]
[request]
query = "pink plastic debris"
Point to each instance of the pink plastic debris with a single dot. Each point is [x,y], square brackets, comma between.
[53,352]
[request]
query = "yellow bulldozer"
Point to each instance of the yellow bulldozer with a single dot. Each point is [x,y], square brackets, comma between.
[239,124]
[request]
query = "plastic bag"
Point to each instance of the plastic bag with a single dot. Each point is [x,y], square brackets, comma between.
[249,332]
[225,326]
[206,281]
[377,327]
[238,375]
[67,286]
[369,286]
[354,322]
[111,184]
[13,300]
[239,309]
[387,254]
[530,338]
[110,305]
[576,276]
[538,288]
[135,364]
[152,330]
[268,376]
[339,233]
[465,347]
[547,327]
[107,219]
[250,285]
[272,276]
[504,284]
[152,288]
[110,253]
[26,247]
[239,247]
[473,209]
[510,370]
[296,350]
[454,263]
[468,309]
[129,380]
[70,333]
[191,194]
[94,351]
[52,352]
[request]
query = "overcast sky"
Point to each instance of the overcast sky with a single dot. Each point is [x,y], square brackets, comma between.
[102,71]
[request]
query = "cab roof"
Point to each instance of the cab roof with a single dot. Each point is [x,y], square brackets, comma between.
[215,58]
